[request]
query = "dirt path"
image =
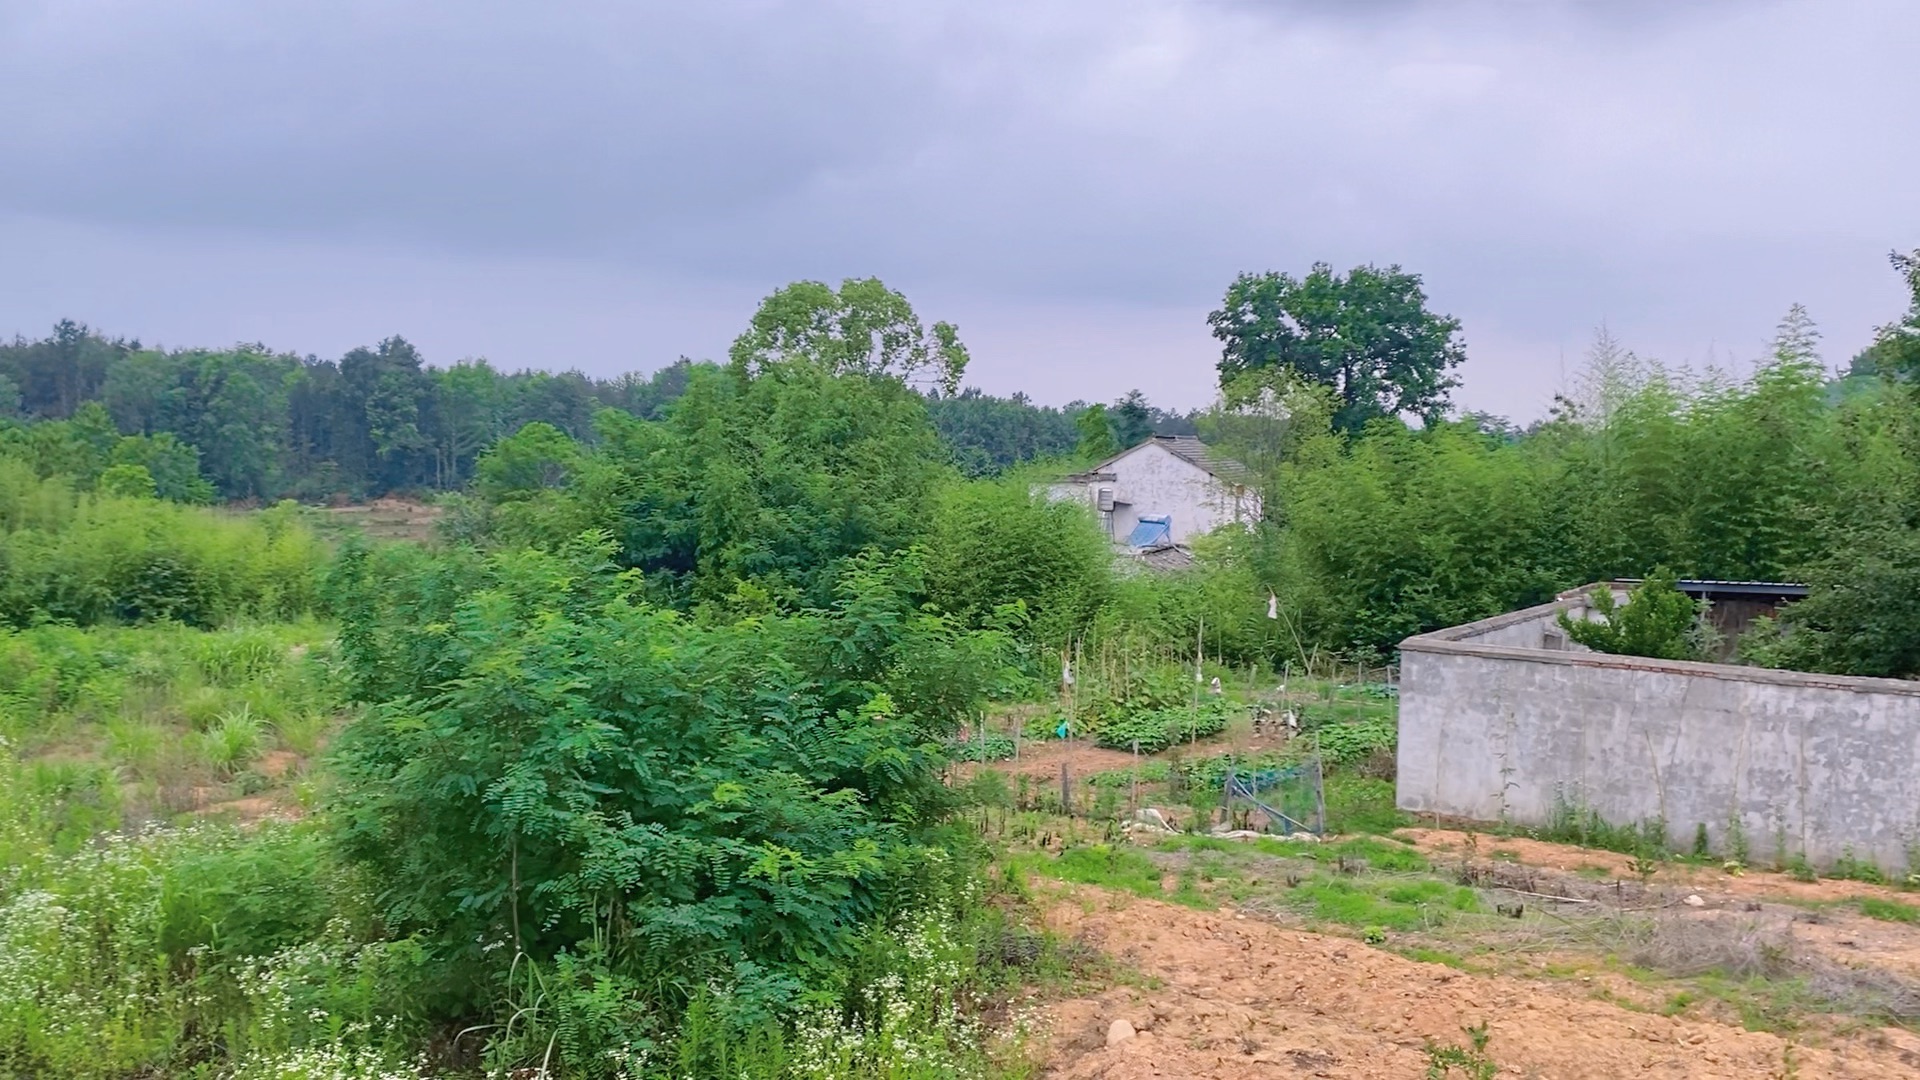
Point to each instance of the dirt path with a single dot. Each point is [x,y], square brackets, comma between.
[1443,843]
[1042,761]
[1233,996]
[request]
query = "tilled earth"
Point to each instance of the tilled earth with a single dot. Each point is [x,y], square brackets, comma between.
[1229,994]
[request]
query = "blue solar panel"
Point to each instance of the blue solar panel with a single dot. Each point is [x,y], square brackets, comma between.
[1151,531]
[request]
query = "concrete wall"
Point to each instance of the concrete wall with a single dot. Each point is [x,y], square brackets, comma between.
[1495,726]
[1152,481]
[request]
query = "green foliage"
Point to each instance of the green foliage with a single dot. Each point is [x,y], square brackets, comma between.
[1658,621]
[1471,1060]
[1858,618]
[1097,439]
[1157,727]
[1366,334]
[87,559]
[1896,346]
[1875,907]
[1403,532]
[1571,821]
[992,545]
[127,482]
[1351,743]
[988,435]
[863,328]
[538,457]
[772,479]
[155,954]
[1399,905]
[1357,804]
[577,770]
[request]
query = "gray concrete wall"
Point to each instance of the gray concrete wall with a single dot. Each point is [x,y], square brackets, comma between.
[1495,727]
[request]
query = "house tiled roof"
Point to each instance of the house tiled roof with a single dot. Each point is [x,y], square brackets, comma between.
[1190,449]
[1166,558]
[1185,447]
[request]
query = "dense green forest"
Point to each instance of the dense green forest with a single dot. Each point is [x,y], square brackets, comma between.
[645,767]
[247,423]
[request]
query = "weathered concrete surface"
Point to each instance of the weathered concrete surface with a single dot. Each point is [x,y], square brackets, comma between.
[1494,726]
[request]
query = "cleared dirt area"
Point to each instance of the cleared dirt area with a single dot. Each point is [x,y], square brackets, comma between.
[384,519]
[1442,843]
[1572,963]
[1228,995]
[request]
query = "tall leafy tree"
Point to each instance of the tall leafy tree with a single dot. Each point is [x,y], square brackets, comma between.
[1132,419]
[1096,433]
[388,402]
[1367,334]
[1896,346]
[861,328]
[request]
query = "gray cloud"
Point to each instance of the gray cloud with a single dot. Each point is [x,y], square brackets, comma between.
[1078,180]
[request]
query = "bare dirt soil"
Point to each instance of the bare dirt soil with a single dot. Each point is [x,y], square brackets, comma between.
[1442,843]
[1223,994]
[387,518]
[1042,760]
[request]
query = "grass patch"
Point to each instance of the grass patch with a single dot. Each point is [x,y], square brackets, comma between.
[1111,867]
[1435,956]
[1358,804]
[1365,905]
[1889,910]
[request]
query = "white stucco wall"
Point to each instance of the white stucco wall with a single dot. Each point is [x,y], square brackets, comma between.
[1152,481]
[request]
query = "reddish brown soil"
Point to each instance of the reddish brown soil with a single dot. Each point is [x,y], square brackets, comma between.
[1443,843]
[1042,760]
[1228,996]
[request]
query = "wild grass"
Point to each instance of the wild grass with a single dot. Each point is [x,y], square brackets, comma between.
[1112,867]
[173,712]
[1889,910]
[1365,904]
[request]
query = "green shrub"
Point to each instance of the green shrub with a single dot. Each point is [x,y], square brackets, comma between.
[104,558]
[1350,743]
[1155,729]
[749,793]
[1658,621]
[1360,805]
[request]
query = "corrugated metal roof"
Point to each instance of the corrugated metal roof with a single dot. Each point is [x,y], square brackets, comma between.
[1781,590]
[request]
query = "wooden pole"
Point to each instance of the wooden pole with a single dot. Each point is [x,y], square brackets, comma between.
[1066,788]
[1199,667]
[1133,799]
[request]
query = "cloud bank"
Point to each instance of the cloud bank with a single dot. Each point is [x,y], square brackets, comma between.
[608,185]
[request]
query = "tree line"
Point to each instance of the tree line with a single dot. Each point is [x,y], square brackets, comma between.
[247,423]
[830,433]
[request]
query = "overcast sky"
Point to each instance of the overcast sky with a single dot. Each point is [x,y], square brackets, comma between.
[609,185]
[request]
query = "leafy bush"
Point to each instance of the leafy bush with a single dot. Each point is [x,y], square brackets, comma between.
[994,544]
[988,746]
[1658,621]
[589,776]
[89,559]
[1349,743]
[1155,729]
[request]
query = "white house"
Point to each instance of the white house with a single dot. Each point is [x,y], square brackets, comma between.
[1163,492]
